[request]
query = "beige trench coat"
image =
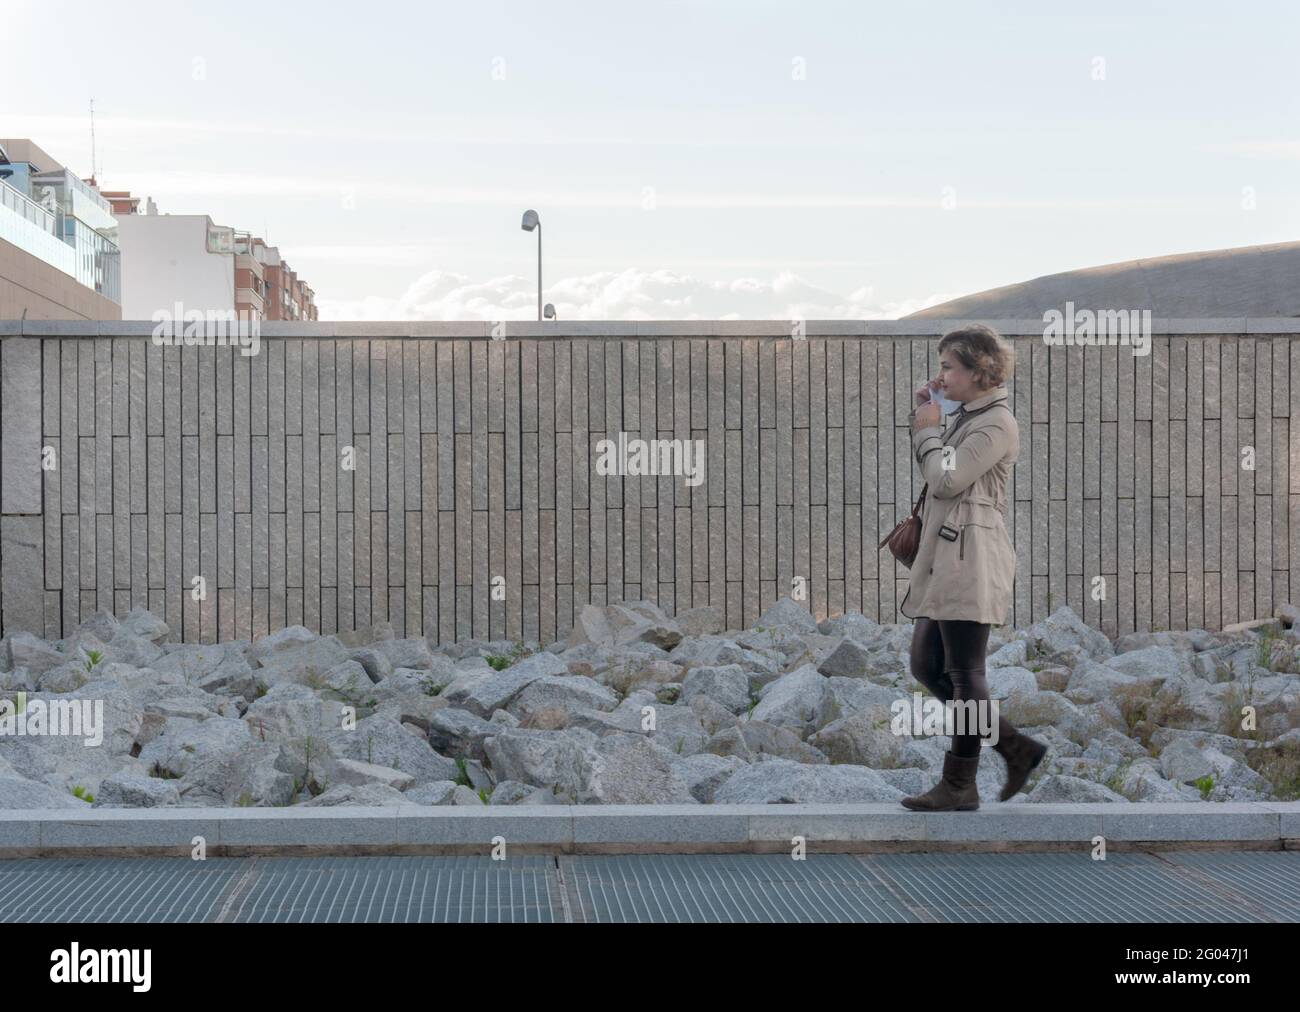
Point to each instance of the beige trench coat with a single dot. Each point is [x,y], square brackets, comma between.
[970,577]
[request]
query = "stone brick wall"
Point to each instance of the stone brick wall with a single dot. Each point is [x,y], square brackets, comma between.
[475,459]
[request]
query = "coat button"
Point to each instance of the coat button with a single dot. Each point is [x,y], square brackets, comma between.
[932,569]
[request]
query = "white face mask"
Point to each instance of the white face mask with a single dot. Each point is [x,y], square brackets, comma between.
[946,406]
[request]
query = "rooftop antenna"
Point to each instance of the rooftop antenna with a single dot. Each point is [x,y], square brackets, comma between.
[92,140]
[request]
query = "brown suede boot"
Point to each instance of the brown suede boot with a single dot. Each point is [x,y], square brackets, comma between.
[1022,754]
[956,792]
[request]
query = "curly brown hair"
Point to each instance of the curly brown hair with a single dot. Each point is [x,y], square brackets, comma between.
[983,351]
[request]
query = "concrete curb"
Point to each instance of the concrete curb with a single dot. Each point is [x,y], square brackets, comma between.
[633,829]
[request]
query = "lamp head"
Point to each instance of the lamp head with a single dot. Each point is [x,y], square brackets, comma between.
[531,221]
[549,311]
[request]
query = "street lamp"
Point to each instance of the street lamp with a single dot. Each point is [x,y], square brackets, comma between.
[532,221]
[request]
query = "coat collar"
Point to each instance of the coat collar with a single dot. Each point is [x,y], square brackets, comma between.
[998,393]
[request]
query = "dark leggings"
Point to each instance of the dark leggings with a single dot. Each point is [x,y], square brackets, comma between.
[948,659]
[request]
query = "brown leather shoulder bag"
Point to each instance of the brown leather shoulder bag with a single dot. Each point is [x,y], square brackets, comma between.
[905,539]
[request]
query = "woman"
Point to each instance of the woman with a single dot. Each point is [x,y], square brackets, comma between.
[961,580]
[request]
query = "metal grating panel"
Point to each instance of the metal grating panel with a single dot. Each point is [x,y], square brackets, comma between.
[895,888]
[444,890]
[1270,880]
[713,888]
[1126,887]
[111,890]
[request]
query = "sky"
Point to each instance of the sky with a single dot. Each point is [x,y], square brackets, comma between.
[701,160]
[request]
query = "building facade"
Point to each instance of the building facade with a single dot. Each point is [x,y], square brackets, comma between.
[288,297]
[59,253]
[175,258]
[190,260]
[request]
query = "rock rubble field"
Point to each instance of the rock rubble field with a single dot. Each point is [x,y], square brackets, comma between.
[637,708]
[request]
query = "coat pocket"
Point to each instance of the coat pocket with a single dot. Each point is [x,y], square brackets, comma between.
[976,515]
[986,553]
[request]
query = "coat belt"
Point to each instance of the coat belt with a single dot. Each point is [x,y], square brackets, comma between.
[984,500]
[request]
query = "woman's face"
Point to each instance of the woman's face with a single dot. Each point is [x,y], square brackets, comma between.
[957,381]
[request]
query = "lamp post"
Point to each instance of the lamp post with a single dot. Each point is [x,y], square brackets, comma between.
[532,221]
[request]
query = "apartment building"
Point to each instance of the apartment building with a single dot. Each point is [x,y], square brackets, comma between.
[287,296]
[188,258]
[59,252]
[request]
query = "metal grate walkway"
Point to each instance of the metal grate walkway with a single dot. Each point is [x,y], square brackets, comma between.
[894,888]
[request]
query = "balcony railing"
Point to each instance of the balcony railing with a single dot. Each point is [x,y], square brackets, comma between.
[35,230]
[25,207]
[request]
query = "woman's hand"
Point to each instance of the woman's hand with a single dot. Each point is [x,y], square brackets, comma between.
[927,416]
[926,390]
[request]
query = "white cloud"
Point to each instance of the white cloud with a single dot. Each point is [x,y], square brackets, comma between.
[632,294]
